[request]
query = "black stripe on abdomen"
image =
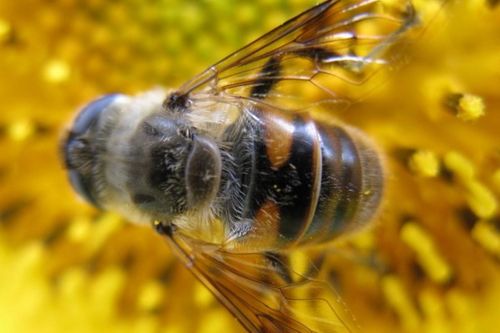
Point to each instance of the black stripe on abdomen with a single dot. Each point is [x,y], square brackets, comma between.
[291,187]
[299,178]
[341,185]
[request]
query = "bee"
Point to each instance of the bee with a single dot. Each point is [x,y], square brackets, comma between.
[237,173]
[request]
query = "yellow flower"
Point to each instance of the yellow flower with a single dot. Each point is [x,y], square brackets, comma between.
[430,265]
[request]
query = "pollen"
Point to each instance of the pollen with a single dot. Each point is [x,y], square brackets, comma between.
[80,229]
[460,166]
[21,129]
[5,30]
[424,163]
[496,180]
[468,107]
[202,297]
[434,310]
[488,236]
[214,323]
[400,301]
[481,200]
[105,289]
[101,231]
[427,253]
[151,296]
[56,71]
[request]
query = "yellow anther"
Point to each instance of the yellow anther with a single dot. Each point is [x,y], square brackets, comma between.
[214,321]
[29,259]
[173,328]
[434,311]
[5,30]
[105,289]
[480,199]
[400,301]
[496,180]
[486,235]
[427,254]
[101,231]
[463,310]
[364,240]
[56,71]
[72,283]
[424,163]
[21,129]
[459,165]
[80,229]
[202,296]
[147,323]
[469,107]
[151,295]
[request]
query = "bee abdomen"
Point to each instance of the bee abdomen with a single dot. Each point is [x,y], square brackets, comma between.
[351,184]
[303,181]
[340,184]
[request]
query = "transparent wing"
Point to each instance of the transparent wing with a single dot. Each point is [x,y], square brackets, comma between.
[264,291]
[324,54]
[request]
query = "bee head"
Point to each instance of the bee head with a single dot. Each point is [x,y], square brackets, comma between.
[130,155]
[174,168]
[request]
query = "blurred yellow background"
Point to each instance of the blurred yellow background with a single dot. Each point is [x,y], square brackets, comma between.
[65,267]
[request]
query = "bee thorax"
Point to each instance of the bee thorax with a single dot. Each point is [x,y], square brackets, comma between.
[203,172]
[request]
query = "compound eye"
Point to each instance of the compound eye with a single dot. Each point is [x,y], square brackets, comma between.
[81,185]
[77,149]
[90,114]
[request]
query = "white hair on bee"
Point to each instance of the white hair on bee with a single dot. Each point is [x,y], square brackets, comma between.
[115,129]
[213,117]
[233,192]
[202,222]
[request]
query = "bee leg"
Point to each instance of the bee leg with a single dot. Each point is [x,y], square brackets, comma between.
[168,230]
[280,264]
[164,228]
[283,265]
[177,102]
